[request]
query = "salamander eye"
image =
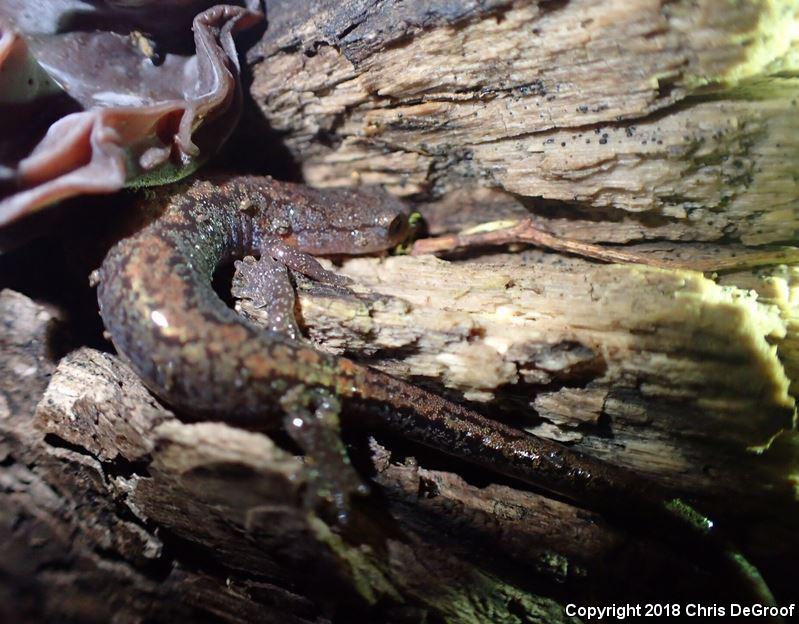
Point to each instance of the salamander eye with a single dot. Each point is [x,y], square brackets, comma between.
[397,227]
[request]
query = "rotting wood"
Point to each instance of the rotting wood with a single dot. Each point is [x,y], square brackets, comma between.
[74,547]
[644,120]
[143,516]
[611,122]
[684,372]
[162,518]
[660,133]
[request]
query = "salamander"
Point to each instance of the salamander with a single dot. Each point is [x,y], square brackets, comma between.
[198,355]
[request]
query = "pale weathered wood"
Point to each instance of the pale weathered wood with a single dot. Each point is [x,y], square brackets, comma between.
[605,122]
[639,120]
[663,371]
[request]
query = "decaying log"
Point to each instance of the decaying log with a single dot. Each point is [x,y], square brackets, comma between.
[74,549]
[665,372]
[622,120]
[144,516]
[665,131]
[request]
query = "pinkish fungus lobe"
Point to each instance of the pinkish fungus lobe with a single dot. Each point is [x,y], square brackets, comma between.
[110,94]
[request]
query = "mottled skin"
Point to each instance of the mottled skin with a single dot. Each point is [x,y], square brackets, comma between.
[199,356]
[192,350]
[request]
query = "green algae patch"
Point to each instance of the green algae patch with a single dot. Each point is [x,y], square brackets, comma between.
[487,599]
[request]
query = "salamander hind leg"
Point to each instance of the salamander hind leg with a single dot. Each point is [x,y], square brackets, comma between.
[312,421]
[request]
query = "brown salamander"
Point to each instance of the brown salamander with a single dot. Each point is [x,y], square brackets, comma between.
[194,352]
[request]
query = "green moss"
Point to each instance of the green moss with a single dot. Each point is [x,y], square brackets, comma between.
[404,248]
[484,598]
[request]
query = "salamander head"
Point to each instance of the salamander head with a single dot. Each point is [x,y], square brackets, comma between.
[346,222]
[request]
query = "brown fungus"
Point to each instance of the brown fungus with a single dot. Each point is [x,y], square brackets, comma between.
[98,95]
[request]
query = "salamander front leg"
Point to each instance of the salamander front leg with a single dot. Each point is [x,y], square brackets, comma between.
[312,421]
[301,262]
[266,284]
